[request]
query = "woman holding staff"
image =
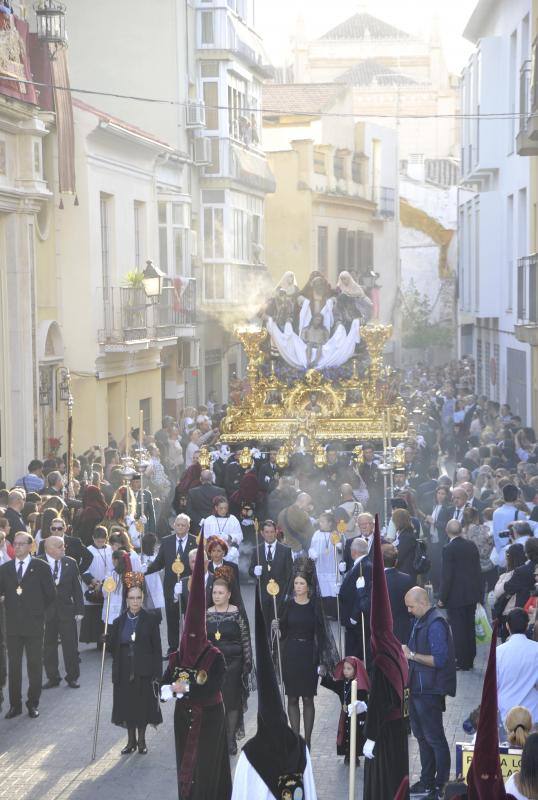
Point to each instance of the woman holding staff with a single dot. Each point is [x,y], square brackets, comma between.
[307,644]
[135,644]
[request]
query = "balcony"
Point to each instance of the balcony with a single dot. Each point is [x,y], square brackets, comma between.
[527,299]
[384,198]
[527,137]
[129,321]
[176,311]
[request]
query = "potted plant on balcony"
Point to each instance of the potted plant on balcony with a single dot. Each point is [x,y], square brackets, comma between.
[134,300]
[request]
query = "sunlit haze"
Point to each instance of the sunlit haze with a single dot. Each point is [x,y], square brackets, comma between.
[277,19]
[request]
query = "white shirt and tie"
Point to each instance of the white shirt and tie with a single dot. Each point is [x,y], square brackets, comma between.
[458,514]
[270,552]
[55,568]
[181,544]
[25,563]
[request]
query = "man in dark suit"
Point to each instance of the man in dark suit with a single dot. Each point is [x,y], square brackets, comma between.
[149,508]
[62,615]
[270,559]
[354,597]
[28,590]
[200,499]
[522,581]
[15,504]
[74,548]
[460,591]
[373,479]
[182,588]
[269,473]
[178,544]
[398,584]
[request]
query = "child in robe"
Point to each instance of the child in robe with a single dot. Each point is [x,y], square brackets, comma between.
[346,671]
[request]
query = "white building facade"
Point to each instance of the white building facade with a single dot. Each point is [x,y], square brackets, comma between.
[231,65]
[493,220]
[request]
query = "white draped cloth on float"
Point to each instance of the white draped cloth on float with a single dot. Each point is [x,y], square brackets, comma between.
[249,786]
[334,353]
[305,315]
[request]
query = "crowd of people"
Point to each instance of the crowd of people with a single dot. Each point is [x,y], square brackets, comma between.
[456,551]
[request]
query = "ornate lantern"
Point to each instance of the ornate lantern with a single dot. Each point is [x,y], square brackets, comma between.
[152,281]
[245,459]
[50,16]
[399,457]
[64,387]
[320,456]
[204,458]
[282,457]
[358,455]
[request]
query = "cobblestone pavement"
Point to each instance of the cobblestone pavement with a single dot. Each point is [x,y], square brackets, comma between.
[49,758]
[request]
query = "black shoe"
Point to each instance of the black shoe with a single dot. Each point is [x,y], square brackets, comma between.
[73,685]
[32,711]
[433,794]
[13,712]
[142,749]
[50,684]
[128,749]
[420,788]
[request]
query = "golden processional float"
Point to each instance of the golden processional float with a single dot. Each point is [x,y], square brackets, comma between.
[354,404]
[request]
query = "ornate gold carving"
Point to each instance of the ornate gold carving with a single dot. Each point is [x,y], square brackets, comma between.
[314,407]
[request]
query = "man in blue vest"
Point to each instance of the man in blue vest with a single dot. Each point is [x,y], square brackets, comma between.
[432,676]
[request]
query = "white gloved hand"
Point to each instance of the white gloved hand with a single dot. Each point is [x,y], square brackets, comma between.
[368,749]
[166,692]
[178,588]
[342,567]
[143,519]
[353,621]
[361,583]
[322,670]
[312,554]
[359,706]
[258,570]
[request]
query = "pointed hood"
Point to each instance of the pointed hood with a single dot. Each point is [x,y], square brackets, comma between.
[194,639]
[275,751]
[403,790]
[361,676]
[484,779]
[387,651]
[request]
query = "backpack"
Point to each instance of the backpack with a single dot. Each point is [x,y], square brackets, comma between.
[421,562]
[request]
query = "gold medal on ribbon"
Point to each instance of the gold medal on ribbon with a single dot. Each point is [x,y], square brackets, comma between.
[273,588]
[19,590]
[218,635]
[201,677]
[178,567]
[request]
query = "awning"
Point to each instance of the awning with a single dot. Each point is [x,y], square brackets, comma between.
[251,169]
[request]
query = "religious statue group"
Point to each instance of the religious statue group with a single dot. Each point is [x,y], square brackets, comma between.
[318,326]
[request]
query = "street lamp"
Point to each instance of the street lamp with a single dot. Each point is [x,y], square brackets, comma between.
[152,281]
[50,16]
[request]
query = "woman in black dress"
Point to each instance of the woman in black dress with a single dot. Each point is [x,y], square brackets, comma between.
[135,643]
[307,643]
[228,631]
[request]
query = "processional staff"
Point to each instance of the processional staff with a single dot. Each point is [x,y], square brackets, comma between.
[273,589]
[178,568]
[353,740]
[109,586]
[336,539]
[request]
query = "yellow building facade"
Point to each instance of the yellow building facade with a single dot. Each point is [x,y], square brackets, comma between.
[335,206]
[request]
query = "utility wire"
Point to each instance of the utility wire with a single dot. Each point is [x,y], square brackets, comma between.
[500,115]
